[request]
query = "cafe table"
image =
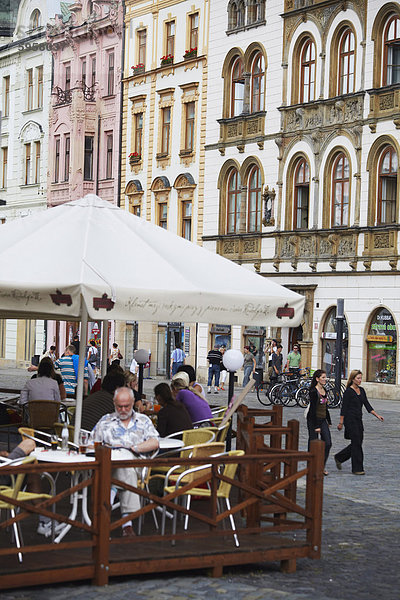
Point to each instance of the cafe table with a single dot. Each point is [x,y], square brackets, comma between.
[72,457]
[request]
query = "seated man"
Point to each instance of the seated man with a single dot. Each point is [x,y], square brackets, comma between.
[128,429]
[69,371]
[101,403]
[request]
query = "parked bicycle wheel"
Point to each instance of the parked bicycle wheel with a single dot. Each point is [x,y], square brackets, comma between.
[263,397]
[275,394]
[302,397]
[288,394]
[334,400]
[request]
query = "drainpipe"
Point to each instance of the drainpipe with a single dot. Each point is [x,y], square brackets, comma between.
[121,101]
[98,153]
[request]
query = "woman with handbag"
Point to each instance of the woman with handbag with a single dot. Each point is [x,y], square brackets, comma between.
[354,399]
[318,417]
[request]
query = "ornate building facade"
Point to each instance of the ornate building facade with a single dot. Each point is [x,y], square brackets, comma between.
[302,167]
[164,120]
[25,88]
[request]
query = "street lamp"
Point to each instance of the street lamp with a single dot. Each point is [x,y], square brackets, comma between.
[233,360]
[141,357]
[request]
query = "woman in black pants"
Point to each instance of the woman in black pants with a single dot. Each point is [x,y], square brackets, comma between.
[354,399]
[318,418]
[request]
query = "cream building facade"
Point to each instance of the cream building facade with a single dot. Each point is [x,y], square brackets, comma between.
[25,80]
[321,213]
[163,156]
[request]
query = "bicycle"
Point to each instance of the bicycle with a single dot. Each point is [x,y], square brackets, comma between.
[334,400]
[290,388]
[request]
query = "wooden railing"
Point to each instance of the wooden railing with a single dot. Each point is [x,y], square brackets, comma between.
[94,552]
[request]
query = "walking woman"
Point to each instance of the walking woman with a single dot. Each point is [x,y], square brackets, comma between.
[354,399]
[318,418]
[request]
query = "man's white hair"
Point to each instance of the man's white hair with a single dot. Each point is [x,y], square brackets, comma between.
[125,390]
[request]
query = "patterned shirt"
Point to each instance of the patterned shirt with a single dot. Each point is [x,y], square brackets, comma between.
[66,366]
[112,432]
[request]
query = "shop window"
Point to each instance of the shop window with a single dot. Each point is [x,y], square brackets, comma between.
[382,348]
[328,339]
[221,336]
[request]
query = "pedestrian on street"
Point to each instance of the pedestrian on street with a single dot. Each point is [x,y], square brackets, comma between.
[276,364]
[318,417]
[354,399]
[293,363]
[214,358]
[222,370]
[177,359]
[249,365]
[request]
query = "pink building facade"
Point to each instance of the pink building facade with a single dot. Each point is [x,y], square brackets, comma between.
[85,114]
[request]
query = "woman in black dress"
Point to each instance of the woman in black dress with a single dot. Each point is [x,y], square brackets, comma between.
[318,417]
[354,399]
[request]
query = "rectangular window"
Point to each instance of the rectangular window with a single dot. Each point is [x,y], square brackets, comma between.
[170,38]
[88,164]
[37,162]
[189,125]
[6,88]
[138,133]
[29,95]
[83,72]
[4,161]
[67,77]
[109,159]
[57,161]
[67,152]
[110,76]
[162,214]
[194,30]
[27,176]
[93,71]
[166,130]
[39,87]
[187,220]
[141,37]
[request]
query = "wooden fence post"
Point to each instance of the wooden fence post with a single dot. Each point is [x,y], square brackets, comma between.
[102,516]
[292,444]
[314,495]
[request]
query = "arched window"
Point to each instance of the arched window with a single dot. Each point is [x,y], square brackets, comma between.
[346,62]
[35,19]
[237,88]
[382,347]
[307,71]
[240,14]
[254,200]
[233,202]
[232,15]
[252,12]
[301,195]
[340,191]
[257,83]
[391,53]
[387,186]
[329,343]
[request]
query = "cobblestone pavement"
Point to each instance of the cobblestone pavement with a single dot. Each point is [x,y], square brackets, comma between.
[361,532]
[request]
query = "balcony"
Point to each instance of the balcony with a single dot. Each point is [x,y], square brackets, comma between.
[62,97]
[384,103]
[240,246]
[340,110]
[242,129]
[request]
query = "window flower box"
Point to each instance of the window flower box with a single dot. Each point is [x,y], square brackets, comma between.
[134,158]
[167,60]
[138,69]
[192,53]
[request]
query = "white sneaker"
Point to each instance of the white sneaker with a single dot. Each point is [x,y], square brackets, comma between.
[216,391]
[44,528]
[209,391]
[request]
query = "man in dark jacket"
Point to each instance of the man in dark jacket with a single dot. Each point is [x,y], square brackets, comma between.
[101,403]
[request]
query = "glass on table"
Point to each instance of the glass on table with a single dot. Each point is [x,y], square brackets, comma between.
[54,442]
[97,438]
[83,441]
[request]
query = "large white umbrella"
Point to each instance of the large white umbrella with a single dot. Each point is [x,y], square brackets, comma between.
[90,258]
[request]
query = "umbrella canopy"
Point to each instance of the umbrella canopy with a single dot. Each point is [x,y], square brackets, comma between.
[126,268]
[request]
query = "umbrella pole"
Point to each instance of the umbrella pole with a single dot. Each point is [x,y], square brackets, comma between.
[81,370]
[104,349]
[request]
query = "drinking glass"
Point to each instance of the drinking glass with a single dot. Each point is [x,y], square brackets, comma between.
[83,441]
[54,442]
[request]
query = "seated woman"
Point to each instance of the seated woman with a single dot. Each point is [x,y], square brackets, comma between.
[194,402]
[42,387]
[173,415]
[192,378]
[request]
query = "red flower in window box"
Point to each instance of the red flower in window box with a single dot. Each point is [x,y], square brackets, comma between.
[190,53]
[168,59]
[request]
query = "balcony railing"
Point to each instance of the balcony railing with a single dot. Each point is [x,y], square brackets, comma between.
[62,96]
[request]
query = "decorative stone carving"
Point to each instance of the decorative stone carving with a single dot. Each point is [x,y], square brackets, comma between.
[346,246]
[250,246]
[269,201]
[386,102]
[230,247]
[257,266]
[382,240]
[393,264]
[367,265]
[232,130]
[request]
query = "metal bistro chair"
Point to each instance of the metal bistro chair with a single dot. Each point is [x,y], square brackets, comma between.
[43,413]
[223,490]
[15,492]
